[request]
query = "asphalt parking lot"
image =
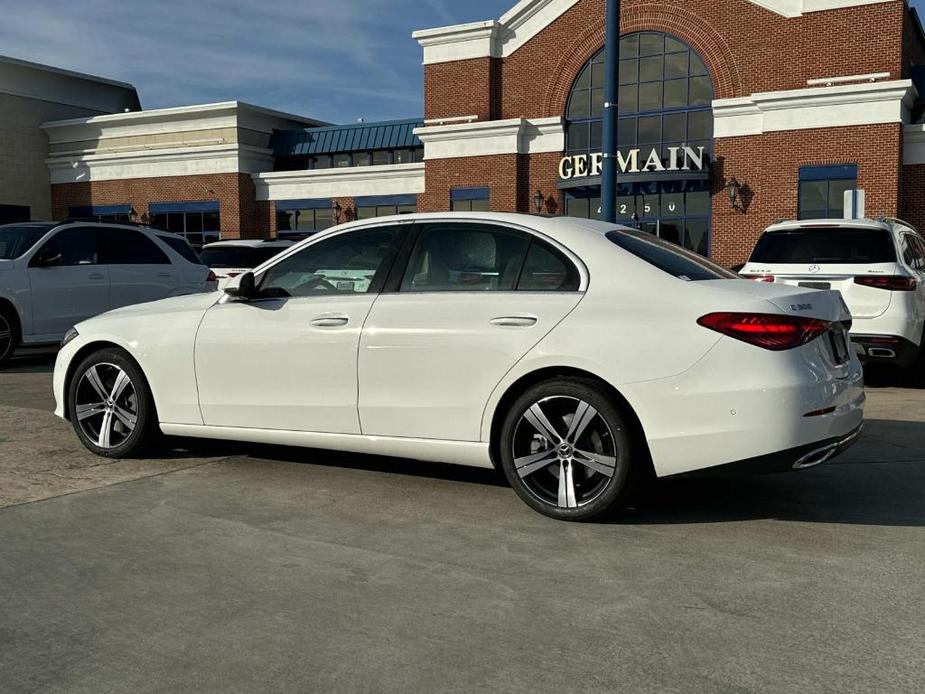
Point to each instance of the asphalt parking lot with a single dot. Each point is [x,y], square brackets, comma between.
[226,567]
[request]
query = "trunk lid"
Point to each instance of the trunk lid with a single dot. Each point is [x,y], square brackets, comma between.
[794,300]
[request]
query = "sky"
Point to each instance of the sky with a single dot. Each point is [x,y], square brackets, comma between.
[334,60]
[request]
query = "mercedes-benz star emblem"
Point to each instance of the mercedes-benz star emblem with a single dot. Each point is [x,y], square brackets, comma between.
[814,268]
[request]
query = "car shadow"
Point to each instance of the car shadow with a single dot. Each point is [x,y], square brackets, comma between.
[31,361]
[881,481]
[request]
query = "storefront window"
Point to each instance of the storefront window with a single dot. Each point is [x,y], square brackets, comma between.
[822,190]
[665,96]
[385,205]
[302,217]
[469,199]
[198,222]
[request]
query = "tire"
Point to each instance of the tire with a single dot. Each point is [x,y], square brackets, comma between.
[111,407]
[571,485]
[9,335]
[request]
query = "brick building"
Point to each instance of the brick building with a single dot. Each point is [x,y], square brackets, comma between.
[786,103]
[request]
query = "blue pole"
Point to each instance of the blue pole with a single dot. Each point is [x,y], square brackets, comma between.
[611,86]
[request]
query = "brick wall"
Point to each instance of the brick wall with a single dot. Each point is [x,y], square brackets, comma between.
[912,192]
[747,49]
[503,175]
[769,165]
[234,192]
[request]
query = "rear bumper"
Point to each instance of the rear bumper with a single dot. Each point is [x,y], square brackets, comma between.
[891,349]
[798,458]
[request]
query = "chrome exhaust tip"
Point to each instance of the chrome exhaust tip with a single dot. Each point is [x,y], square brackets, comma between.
[881,353]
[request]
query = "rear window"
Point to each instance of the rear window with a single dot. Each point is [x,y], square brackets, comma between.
[833,246]
[238,256]
[182,247]
[668,257]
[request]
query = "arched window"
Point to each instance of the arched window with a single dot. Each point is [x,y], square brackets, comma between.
[664,102]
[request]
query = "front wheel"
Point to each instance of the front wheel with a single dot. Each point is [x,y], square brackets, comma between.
[566,449]
[110,405]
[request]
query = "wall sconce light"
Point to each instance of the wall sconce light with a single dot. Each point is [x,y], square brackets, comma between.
[336,209]
[734,191]
[538,201]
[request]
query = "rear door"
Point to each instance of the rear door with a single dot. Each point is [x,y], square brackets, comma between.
[472,300]
[139,271]
[913,251]
[68,284]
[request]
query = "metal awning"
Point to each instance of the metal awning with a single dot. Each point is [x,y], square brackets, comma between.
[397,134]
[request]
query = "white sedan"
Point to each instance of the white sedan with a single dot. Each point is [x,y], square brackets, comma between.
[575,355]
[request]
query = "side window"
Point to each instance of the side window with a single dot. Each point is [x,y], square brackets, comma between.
[920,245]
[463,257]
[128,247]
[547,270]
[345,264]
[69,247]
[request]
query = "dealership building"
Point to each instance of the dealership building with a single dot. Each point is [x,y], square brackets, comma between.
[732,114]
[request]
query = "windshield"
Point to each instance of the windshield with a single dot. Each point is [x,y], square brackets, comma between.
[826,245]
[16,240]
[668,257]
[238,256]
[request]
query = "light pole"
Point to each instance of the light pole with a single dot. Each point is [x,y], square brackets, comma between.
[611,88]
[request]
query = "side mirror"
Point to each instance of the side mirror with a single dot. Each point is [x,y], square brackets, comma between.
[46,258]
[242,287]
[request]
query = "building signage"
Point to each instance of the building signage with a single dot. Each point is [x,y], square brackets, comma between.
[679,159]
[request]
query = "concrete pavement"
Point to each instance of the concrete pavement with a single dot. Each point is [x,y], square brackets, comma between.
[235,568]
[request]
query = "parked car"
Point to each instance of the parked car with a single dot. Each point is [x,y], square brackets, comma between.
[53,276]
[877,265]
[575,355]
[229,259]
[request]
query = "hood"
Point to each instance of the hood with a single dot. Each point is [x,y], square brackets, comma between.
[159,310]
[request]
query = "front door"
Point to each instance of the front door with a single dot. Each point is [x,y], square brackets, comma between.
[68,284]
[474,299]
[288,359]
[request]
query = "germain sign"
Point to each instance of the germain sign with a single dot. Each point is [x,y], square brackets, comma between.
[679,159]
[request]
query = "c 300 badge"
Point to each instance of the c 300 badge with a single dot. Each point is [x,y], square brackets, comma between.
[801,307]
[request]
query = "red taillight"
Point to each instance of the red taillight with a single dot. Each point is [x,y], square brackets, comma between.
[767,330]
[893,283]
[760,278]
[211,277]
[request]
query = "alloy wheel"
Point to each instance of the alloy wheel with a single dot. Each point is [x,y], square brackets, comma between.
[106,405]
[564,452]
[6,337]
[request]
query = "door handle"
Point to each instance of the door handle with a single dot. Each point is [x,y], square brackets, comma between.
[163,274]
[330,321]
[96,276]
[514,321]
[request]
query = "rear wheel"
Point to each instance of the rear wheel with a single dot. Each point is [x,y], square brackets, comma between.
[9,335]
[111,406]
[566,450]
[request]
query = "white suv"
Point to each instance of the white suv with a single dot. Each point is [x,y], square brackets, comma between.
[53,276]
[877,265]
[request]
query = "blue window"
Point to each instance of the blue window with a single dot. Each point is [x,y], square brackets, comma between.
[198,222]
[469,199]
[822,190]
[303,217]
[115,214]
[385,205]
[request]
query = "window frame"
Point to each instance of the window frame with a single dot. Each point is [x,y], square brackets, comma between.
[383,273]
[41,245]
[827,173]
[415,230]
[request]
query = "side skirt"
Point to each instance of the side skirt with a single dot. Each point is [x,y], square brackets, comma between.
[473,454]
